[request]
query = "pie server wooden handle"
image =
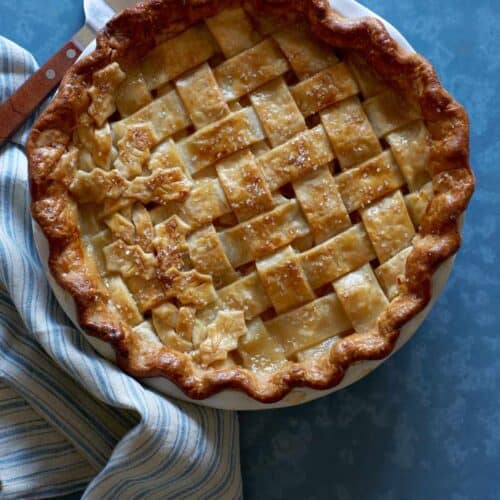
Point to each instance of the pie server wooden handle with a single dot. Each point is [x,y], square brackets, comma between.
[20,105]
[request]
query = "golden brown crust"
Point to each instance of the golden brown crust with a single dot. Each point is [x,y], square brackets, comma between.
[129,36]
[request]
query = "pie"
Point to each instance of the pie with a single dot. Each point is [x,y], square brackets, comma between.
[249,195]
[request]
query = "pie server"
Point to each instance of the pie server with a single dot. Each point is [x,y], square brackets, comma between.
[20,105]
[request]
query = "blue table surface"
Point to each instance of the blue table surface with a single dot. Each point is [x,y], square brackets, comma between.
[427,423]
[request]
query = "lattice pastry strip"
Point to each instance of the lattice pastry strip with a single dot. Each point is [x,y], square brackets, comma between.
[89,220]
[147,293]
[324,89]
[102,93]
[388,111]
[101,186]
[269,24]
[411,148]
[201,96]
[208,257]
[188,287]
[123,300]
[121,227]
[144,230]
[97,144]
[161,213]
[264,234]
[178,55]
[322,204]
[306,57]
[66,167]
[102,147]
[370,181]
[222,337]
[166,155]
[113,205]
[129,260]
[206,203]
[146,335]
[97,185]
[94,245]
[317,350]
[244,184]
[233,31]
[134,150]
[173,326]
[391,271]
[277,111]
[275,277]
[307,325]
[284,280]
[388,225]
[259,349]
[368,81]
[418,201]
[246,294]
[166,115]
[135,229]
[220,139]
[337,256]
[170,244]
[361,297]
[162,186]
[296,157]
[351,134]
[250,69]
[133,93]
[86,162]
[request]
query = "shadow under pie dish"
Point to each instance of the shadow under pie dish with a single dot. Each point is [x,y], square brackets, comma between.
[250,196]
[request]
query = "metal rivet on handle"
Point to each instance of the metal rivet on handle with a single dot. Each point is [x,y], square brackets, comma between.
[70,53]
[50,74]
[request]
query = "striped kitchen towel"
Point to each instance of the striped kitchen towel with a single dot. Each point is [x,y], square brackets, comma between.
[69,419]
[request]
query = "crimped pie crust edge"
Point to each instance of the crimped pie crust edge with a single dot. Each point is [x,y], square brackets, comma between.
[133,31]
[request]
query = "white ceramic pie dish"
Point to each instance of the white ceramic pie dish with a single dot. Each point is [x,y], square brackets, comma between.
[235,400]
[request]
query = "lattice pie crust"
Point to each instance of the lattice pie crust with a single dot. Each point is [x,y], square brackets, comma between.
[240,199]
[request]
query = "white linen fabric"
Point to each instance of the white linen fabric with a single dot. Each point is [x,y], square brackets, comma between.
[68,418]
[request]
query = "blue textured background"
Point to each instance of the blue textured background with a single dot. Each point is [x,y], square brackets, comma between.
[427,423]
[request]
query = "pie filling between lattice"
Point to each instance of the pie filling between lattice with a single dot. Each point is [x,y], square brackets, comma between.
[248,195]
